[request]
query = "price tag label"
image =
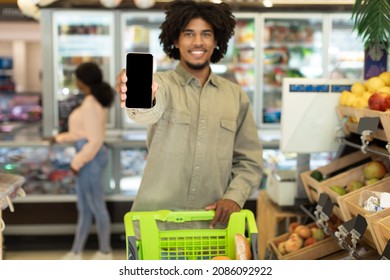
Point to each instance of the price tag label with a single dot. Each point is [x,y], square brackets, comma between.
[368,123]
[385,200]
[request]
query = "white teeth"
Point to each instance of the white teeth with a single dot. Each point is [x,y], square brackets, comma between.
[197,52]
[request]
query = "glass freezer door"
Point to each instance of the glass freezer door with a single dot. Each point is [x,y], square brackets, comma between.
[292,47]
[140,33]
[346,50]
[239,63]
[80,36]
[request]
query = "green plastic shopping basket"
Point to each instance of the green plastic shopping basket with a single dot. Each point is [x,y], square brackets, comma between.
[186,244]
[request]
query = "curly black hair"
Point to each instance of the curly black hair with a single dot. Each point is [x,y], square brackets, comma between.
[179,13]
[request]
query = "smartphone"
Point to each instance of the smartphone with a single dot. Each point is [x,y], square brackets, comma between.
[139,72]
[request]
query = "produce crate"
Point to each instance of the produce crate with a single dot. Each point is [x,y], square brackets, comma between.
[381,231]
[340,209]
[349,118]
[352,202]
[186,244]
[315,251]
[352,116]
[314,188]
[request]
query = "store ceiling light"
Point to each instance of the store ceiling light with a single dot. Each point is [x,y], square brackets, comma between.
[31,9]
[267,3]
[110,3]
[144,4]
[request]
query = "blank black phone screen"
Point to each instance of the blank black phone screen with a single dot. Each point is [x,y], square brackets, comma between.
[139,72]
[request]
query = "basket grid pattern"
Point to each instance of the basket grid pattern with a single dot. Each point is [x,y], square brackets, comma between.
[201,247]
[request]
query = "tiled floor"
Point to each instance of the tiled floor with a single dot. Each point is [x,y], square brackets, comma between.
[54,255]
[55,247]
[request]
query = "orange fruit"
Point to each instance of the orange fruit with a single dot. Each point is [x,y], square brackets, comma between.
[220,258]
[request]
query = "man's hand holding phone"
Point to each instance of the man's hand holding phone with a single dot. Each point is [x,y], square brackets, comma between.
[121,87]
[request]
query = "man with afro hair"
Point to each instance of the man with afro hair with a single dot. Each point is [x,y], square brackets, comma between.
[203,148]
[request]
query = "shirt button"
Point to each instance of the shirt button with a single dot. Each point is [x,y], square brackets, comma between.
[193,189]
[197,167]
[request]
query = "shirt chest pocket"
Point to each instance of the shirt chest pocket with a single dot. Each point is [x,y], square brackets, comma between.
[226,135]
[173,132]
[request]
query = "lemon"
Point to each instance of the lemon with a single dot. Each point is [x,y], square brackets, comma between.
[385,76]
[358,88]
[366,95]
[350,99]
[384,89]
[343,98]
[374,83]
[360,102]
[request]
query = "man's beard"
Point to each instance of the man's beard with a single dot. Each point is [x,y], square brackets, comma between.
[197,66]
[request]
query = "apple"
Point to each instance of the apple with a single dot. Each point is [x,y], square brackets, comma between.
[371,181]
[293,244]
[292,226]
[379,101]
[386,102]
[375,101]
[281,247]
[309,241]
[303,231]
[374,169]
[338,189]
[354,185]
[318,233]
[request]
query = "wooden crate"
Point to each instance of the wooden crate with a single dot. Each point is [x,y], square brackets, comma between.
[352,202]
[314,188]
[381,232]
[315,251]
[340,208]
[351,116]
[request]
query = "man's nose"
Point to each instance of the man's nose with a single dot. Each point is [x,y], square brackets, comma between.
[198,39]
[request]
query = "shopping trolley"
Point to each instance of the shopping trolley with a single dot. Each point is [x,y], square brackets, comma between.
[186,244]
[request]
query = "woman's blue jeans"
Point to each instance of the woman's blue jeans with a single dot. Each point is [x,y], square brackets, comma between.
[91,204]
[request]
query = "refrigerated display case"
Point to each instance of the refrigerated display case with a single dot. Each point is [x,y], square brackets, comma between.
[292,46]
[346,49]
[316,45]
[76,37]
[241,61]
[139,33]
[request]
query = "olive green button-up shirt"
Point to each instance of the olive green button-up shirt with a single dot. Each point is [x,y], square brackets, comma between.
[203,144]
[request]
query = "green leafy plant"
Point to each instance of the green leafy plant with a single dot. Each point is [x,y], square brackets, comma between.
[372,22]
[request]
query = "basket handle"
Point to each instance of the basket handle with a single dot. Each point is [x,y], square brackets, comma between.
[178,217]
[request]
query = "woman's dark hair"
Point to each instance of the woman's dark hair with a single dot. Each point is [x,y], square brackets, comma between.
[180,13]
[91,75]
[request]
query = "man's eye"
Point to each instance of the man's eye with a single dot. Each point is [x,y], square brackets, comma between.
[188,34]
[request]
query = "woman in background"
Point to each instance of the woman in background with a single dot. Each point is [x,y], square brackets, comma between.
[87,129]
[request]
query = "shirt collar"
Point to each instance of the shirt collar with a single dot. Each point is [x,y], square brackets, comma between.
[187,77]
